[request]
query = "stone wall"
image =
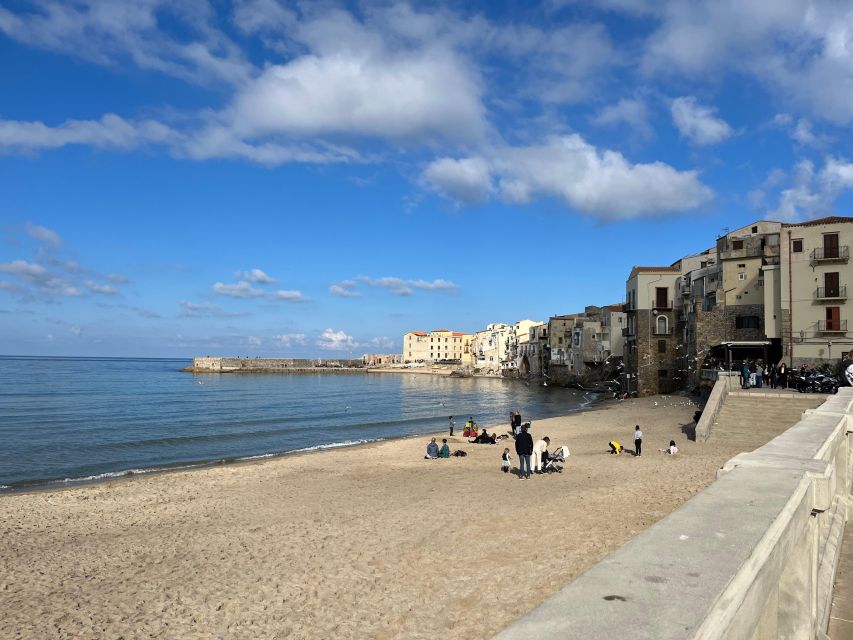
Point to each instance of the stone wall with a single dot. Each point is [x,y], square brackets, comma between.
[648,360]
[228,365]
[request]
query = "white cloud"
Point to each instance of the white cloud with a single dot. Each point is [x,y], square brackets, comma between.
[29,270]
[381,343]
[813,193]
[411,96]
[404,287]
[255,276]
[464,180]
[206,309]
[699,123]
[332,340]
[108,32]
[288,340]
[110,132]
[630,111]
[599,183]
[241,289]
[254,341]
[801,50]
[103,289]
[288,296]
[43,234]
[345,289]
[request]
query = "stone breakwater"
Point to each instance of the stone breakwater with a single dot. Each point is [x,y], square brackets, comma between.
[273,365]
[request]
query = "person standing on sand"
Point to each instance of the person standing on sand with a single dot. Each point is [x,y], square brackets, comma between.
[638,441]
[524,449]
[538,449]
[452,425]
[505,461]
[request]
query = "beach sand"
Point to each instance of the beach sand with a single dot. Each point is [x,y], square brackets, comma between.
[365,542]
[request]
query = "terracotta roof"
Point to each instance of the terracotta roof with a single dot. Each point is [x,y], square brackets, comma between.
[819,221]
[418,333]
[457,333]
[441,331]
[615,307]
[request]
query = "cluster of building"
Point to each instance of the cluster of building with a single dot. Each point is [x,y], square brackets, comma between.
[768,291]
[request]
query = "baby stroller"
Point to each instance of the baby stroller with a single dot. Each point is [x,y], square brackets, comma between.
[556,460]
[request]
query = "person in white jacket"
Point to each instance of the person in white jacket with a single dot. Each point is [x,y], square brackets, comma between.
[538,449]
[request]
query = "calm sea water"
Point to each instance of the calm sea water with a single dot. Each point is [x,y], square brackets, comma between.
[74,419]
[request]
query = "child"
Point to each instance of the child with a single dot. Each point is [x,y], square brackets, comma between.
[445,450]
[615,447]
[505,460]
[638,441]
[671,449]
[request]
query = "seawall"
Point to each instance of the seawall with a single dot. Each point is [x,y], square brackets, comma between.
[273,365]
[751,557]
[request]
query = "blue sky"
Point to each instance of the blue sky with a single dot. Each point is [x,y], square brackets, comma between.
[314,179]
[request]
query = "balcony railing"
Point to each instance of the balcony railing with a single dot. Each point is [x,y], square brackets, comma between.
[667,304]
[828,326]
[830,254]
[657,332]
[831,293]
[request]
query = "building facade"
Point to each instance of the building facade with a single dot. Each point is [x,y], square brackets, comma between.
[813,277]
[441,345]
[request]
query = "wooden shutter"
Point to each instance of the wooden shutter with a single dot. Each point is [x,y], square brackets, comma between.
[830,281]
[833,318]
[661,298]
[830,245]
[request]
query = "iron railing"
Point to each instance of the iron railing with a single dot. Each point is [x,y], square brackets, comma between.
[828,293]
[829,326]
[830,253]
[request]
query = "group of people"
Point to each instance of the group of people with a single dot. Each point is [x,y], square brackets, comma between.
[616,448]
[433,452]
[755,373]
[531,456]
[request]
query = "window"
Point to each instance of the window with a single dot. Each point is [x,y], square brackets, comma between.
[742,266]
[737,245]
[703,264]
[797,245]
[755,229]
[560,340]
[741,276]
[661,346]
[831,288]
[746,322]
[661,326]
[662,373]
[661,298]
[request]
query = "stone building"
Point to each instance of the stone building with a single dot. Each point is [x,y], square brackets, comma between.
[652,361]
[534,356]
[435,346]
[813,277]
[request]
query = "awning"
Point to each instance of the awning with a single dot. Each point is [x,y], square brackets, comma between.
[744,343]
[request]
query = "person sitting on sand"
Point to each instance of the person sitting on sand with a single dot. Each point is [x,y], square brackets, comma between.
[432,450]
[483,438]
[671,449]
[615,447]
[469,424]
[445,450]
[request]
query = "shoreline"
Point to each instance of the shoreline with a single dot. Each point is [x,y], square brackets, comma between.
[126,475]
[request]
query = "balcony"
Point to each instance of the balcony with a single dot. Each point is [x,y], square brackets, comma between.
[664,305]
[833,293]
[830,254]
[830,326]
[668,332]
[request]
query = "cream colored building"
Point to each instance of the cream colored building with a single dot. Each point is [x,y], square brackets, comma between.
[814,277]
[490,347]
[439,345]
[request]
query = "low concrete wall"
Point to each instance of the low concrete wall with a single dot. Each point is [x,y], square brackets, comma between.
[726,381]
[751,557]
[279,365]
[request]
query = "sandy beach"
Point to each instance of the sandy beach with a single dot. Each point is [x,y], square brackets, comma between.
[365,542]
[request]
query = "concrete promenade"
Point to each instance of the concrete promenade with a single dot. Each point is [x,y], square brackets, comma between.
[751,557]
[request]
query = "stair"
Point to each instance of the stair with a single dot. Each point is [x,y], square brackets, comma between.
[750,419]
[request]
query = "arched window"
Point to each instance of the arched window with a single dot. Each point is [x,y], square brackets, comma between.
[662,325]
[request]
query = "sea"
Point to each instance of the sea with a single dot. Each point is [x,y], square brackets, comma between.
[74,420]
